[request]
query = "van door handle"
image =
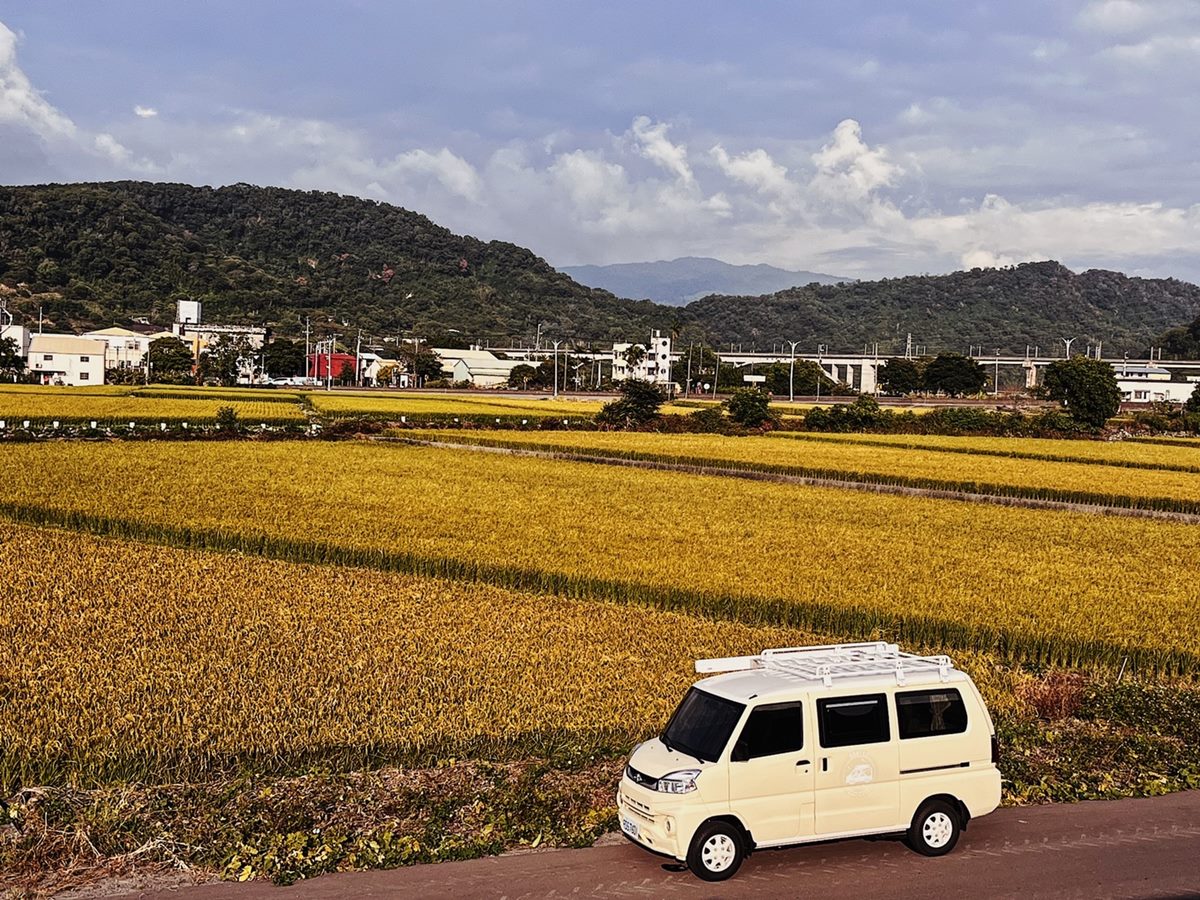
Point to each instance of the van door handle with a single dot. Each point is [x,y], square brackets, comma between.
[803,762]
[824,763]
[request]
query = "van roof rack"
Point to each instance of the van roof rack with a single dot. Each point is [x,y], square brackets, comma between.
[827,662]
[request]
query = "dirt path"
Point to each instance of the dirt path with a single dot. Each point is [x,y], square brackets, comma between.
[1123,848]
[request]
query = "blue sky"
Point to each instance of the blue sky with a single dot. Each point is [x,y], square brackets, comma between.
[859,138]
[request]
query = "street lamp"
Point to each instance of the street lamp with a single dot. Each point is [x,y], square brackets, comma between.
[1068,342]
[792,374]
[820,368]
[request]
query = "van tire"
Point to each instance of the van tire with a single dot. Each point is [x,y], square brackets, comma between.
[716,851]
[935,829]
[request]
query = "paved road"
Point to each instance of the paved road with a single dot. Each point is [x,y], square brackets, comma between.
[1126,848]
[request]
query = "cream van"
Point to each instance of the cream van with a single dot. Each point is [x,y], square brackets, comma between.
[813,744]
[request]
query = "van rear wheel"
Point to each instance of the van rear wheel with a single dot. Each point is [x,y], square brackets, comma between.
[935,829]
[716,852]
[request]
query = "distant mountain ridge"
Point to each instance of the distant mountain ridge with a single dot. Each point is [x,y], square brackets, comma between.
[677,282]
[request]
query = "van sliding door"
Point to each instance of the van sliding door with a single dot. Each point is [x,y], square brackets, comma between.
[858,765]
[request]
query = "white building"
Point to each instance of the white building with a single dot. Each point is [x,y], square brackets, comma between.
[482,368]
[188,327]
[66,359]
[1151,384]
[655,364]
[125,349]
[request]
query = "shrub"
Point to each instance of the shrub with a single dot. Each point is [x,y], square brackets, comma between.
[750,408]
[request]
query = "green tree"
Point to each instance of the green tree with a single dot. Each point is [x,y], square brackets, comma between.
[284,359]
[225,359]
[902,376]
[750,408]
[424,365]
[1193,402]
[635,355]
[171,361]
[1088,388]
[637,406]
[11,361]
[521,376]
[954,374]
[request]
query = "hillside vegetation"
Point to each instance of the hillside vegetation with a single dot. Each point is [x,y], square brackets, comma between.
[99,254]
[1032,304]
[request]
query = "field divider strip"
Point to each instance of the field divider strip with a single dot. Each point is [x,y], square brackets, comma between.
[1160,508]
[988,451]
[749,609]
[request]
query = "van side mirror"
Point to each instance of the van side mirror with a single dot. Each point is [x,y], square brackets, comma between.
[741,752]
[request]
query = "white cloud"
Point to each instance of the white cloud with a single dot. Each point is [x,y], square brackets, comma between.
[849,172]
[756,169]
[652,141]
[145,112]
[840,202]
[20,104]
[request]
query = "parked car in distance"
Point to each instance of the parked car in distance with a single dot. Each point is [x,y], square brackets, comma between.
[807,744]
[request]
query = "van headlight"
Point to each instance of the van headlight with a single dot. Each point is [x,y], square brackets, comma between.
[681,782]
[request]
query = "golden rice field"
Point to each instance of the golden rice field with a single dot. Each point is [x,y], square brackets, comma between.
[66,405]
[1046,585]
[1119,453]
[881,461]
[339,403]
[125,660]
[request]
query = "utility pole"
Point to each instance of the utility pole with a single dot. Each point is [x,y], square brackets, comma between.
[821,373]
[716,369]
[329,367]
[792,374]
[688,380]
[307,373]
[556,343]
[358,359]
[996,377]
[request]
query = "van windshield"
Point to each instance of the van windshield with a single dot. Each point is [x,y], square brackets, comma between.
[702,725]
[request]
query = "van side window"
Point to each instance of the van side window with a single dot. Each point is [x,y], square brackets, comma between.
[846,721]
[772,728]
[928,713]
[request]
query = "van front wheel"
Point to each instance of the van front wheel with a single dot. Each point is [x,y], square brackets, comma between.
[935,829]
[716,851]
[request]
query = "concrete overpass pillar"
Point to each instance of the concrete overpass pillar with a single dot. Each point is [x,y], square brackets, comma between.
[870,377]
[1030,375]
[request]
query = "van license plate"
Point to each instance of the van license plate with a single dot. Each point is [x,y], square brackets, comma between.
[629,827]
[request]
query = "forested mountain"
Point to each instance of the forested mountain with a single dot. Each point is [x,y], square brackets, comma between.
[1182,342]
[103,254]
[677,282]
[1032,304]
[95,254]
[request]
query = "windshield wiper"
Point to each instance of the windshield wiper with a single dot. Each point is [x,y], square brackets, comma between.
[681,748]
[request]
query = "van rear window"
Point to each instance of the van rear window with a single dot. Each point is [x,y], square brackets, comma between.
[846,721]
[929,713]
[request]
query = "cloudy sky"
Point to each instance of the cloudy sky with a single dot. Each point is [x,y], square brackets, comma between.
[857,138]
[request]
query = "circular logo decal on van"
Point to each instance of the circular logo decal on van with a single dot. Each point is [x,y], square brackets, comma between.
[858,772]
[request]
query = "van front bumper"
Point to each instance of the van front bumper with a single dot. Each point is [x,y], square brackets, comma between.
[647,824]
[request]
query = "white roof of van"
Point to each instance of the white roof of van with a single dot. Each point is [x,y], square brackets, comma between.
[792,670]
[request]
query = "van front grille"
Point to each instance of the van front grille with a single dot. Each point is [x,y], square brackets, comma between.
[641,778]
